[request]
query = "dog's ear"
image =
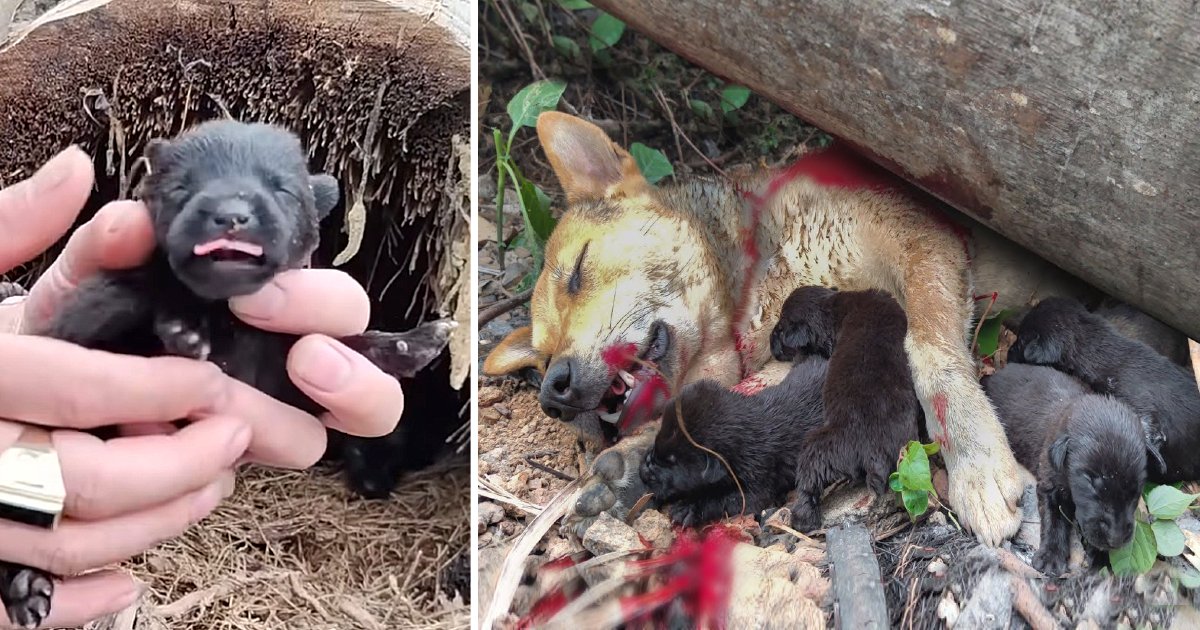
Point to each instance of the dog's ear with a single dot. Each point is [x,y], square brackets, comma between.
[325,193]
[1037,350]
[513,354]
[157,151]
[1058,452]
[589,166]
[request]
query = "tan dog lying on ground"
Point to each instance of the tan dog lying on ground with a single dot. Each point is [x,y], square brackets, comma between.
[688,278]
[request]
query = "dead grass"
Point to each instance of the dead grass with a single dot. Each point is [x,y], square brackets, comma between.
[294,550]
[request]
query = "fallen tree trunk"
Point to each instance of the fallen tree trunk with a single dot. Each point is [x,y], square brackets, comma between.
[1069,128]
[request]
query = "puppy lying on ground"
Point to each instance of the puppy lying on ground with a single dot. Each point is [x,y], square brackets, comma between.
[871,408]
[760,436]
[1135,324]
[233,204]
[1060,333]
[1087,451]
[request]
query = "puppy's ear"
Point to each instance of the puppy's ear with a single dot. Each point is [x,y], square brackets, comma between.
[1058,452]
[157,152]
[513,354]
[1038,350]
[586,162]
[325,193]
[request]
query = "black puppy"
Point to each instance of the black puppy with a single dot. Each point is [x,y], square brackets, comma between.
[1135,324]
[1087,451]
[760,436]
[871,407]
[1060,333]
[233,204]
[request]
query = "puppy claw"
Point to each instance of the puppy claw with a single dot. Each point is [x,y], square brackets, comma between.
[179,338]
[26,594]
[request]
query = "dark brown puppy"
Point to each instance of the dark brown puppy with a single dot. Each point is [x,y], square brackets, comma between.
[1060,333]
[871,407]
[760,437]
[1087,451]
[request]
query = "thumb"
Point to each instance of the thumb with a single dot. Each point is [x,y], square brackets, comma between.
[36,212]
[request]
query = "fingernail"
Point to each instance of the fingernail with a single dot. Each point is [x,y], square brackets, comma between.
[16,299]
[325,367]
[266,303]
[228,485]
[55,172]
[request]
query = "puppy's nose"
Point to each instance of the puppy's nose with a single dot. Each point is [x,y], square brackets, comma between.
[232,214]
[559,399]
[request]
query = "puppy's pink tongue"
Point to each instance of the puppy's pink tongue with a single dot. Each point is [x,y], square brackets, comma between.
[203,249]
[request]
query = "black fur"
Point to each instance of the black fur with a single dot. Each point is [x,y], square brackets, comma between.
[871,407]
[1060,333]
[1087,451]
[244,185]
[760,436]
[1135,324]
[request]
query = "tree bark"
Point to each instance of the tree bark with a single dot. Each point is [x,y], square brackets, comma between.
[1068,127]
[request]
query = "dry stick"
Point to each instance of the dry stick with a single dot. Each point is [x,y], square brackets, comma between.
[1027,603]
[637,508]
[1194,350]
[514,562]
[979,326]
[500,307]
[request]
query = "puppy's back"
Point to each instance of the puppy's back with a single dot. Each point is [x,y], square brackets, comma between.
[869,368]
[1031,400]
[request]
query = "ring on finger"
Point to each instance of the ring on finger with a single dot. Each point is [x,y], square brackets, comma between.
[31,481]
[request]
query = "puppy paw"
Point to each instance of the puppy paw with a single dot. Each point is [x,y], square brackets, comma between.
[183,338]
[403,354]
[805,518]
[613,483]
[26,595]
[985,494]
[1051,562]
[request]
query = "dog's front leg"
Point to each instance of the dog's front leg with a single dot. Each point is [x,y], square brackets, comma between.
[986,483]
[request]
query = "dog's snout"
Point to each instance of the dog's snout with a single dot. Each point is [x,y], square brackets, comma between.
[558,396]
[232,214]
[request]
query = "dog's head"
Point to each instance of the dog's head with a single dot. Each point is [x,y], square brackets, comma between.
[1103,454]
[675,467]
[627,282]
[806,325]
[233,204]
[1049,332]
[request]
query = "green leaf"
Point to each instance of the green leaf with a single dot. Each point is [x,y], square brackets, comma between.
[733,97]
[701,108]
[530,12]
[606,32]
[575,5]
[1189,578]
[532,100]
[535,206]
[894,482]
[1136,557]
[1168,538]
[989,333]
[915,502]
[566,47]
[914,468]
[653,164]
[931,448]
[1169,503]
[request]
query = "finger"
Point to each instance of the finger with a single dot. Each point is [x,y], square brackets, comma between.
[305,301]
[361,399]
[106,479]
[119,236]
[96,388]
[78,546]
[284,437]
[35,213]
[147,428]
[88,597]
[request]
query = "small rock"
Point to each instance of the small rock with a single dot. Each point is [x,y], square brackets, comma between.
[494,456]
[937,518]
[489,415]
[535,483]
[990,605]
[947,610]
[655,527]
[508,528]
[937,567]
[608,534]
[503,410]
[514,272]
[490,513]
[489,396]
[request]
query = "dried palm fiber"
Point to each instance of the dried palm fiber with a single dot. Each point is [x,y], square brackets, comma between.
[379,95]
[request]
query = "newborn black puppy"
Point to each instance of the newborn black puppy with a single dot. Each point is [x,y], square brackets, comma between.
[232,204]
[1060,333]
[1087,451]
[871,407]
[759,436]
[1135,324]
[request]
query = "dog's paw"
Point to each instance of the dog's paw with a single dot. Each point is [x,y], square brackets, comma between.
[985,493]
[182,338]
[26,594]
[613,484]
[1051,562]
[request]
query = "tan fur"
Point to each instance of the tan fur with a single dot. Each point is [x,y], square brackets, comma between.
[674,254]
